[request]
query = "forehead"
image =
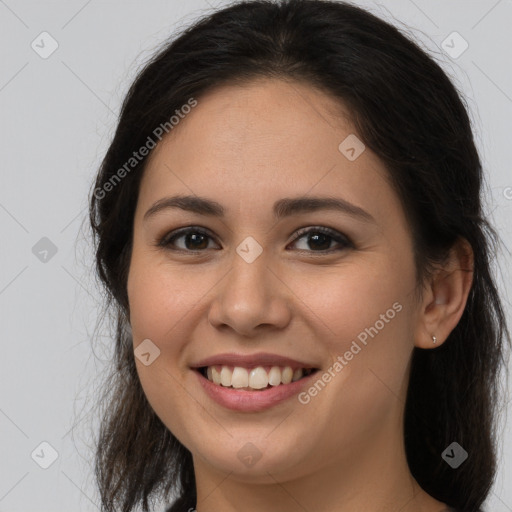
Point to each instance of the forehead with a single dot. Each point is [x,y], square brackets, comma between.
[253,144]
[268,114]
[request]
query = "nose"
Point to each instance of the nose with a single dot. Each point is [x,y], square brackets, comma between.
[250,298]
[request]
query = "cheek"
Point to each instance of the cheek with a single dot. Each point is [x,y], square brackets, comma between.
[159,300]
[365,315]
[160,311]
[349,302]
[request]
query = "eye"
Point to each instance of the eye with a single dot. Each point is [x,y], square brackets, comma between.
[196,239]
[322,237]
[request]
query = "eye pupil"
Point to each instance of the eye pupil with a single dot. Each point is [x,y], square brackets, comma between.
[323,237]
[195,237]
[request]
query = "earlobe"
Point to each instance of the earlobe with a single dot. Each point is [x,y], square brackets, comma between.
[447,296]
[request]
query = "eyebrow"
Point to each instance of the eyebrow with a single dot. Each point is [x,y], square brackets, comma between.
[282,208]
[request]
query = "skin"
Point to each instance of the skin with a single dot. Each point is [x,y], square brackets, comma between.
[246,147]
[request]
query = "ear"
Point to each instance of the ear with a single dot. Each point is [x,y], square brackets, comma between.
[445,296]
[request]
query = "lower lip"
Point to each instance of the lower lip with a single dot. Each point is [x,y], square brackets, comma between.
[252,401]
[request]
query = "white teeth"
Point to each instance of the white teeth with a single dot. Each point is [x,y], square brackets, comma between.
[256,378]
[240,377]
[274,376]
[297,374]
[225,376]
[215,375]
[286,375]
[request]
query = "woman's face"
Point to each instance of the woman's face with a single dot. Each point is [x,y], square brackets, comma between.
[247,283]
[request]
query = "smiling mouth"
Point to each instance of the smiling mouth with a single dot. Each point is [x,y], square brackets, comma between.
[259,378]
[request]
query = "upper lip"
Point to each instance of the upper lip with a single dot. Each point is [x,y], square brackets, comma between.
[251,361]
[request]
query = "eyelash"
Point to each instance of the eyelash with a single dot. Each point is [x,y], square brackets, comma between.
[167,240]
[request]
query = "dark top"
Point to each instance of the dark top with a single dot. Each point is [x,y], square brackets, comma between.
[179,507]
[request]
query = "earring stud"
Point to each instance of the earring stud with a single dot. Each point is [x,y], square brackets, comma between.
[434,339]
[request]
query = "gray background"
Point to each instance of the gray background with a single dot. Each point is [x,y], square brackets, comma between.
[57,116]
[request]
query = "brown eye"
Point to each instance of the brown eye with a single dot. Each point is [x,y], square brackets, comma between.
[194,240]
[321,238]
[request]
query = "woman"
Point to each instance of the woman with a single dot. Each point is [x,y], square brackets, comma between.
[254,370]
